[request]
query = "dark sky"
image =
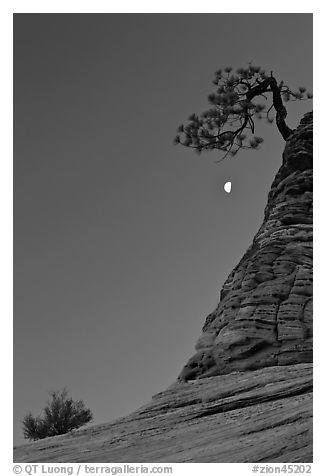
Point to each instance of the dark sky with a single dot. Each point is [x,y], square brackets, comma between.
[121,240]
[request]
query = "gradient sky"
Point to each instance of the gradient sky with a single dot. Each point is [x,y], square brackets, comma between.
[121,240]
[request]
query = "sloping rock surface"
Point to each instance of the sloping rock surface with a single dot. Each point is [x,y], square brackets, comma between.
[246,395]
[259,416]
[264,317]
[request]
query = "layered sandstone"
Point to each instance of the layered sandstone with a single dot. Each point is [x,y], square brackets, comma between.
[246,417]
[264,317]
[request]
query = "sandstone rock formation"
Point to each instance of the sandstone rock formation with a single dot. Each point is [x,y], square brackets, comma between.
[246,395]
[264,316]
[246,417]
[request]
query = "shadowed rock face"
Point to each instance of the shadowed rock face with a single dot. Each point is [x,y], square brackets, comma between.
[264,317]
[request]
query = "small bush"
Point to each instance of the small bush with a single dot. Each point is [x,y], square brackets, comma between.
[60,416]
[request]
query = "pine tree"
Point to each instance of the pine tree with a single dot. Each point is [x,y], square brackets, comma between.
[229,125]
